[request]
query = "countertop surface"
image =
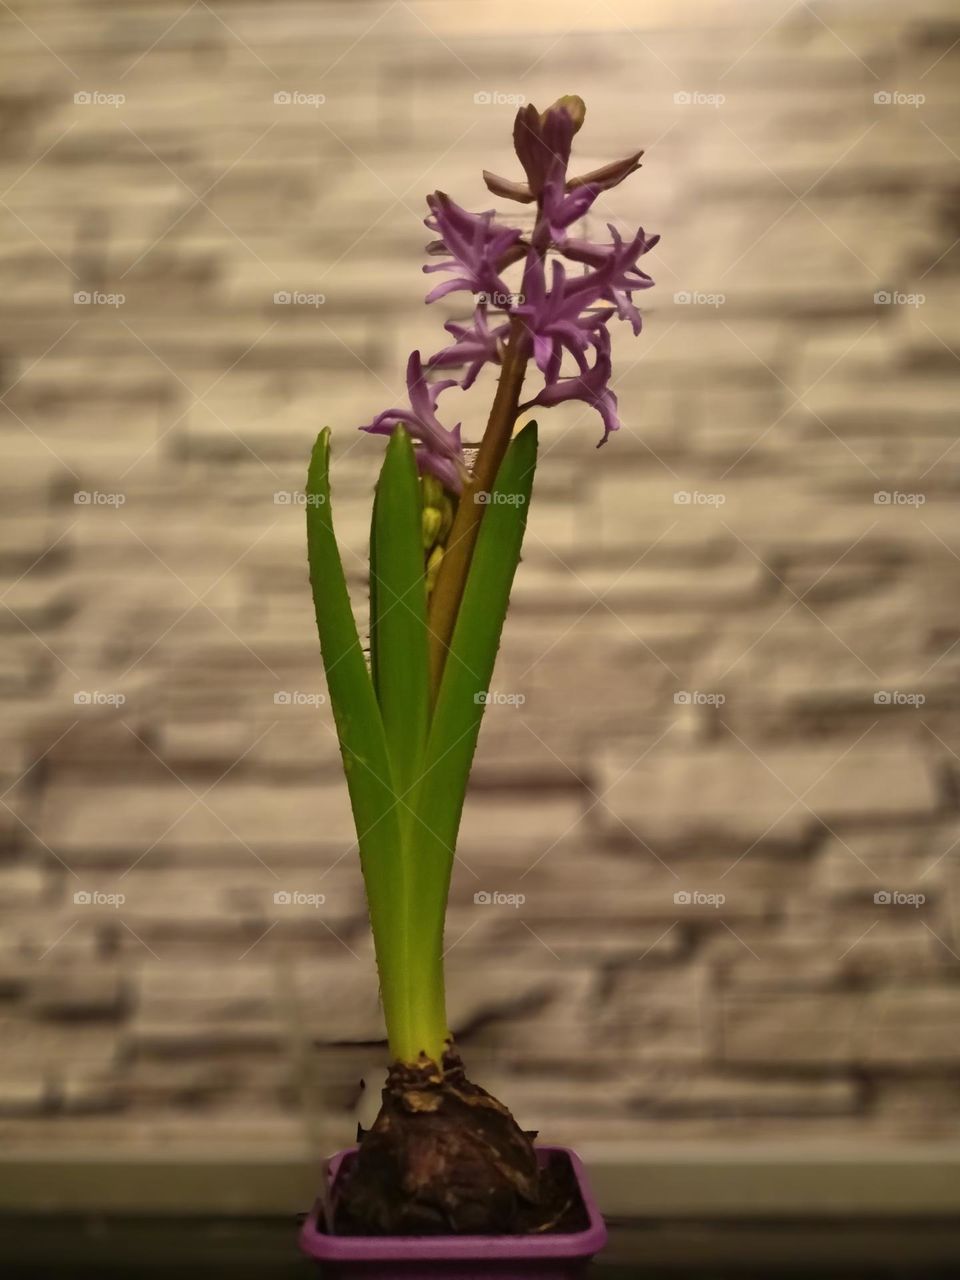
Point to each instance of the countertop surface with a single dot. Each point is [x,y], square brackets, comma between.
[111,1248]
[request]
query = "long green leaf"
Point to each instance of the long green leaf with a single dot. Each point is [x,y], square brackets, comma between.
[363,743]
[398,610]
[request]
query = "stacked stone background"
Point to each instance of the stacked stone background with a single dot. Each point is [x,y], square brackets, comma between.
[737,662]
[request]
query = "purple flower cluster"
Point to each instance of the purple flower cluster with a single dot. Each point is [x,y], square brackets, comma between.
[563,313]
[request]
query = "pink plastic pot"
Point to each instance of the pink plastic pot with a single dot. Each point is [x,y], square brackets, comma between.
[552,1256]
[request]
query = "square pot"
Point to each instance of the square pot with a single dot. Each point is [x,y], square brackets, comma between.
[550,1256]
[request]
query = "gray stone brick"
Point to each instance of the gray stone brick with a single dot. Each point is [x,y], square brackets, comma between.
[821,1032]
[752,795]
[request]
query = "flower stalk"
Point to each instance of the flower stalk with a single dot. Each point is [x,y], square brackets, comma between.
[455,564]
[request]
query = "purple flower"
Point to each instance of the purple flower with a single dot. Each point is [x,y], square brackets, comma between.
[591,386]
[617,274]
[560,210]
[559,319]
[476,345]
[476,245]
[440,452]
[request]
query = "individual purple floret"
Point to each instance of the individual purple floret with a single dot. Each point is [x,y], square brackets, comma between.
[591,386]
[617,274]
[475,244]
[440,453]
[476,345]
[559,318]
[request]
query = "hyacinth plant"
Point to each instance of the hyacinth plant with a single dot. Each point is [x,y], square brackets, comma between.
[447,527]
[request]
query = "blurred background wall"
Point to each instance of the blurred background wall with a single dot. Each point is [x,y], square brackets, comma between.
[723,774]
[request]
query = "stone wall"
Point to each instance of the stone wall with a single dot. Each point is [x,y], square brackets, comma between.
[729,796]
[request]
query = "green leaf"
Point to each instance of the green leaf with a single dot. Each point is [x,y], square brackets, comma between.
[469,665]
[363,744]
[398,611]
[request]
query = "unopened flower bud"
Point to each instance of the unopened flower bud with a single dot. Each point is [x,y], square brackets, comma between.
[432,520]
[433,567]
[437,512]
[432,491]
[574,106]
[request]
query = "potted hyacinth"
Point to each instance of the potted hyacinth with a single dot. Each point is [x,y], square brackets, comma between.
[446,1181]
